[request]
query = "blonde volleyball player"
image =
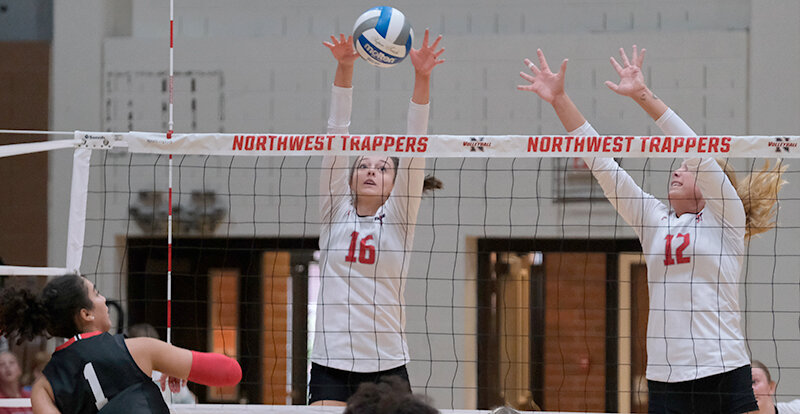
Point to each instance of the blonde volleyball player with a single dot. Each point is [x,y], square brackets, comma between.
[94,371]
[368,210]
[764,388]
[697,360]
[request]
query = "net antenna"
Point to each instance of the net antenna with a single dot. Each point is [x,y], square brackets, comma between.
[169,136]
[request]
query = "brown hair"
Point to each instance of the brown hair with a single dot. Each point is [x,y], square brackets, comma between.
[431,183]
[388,395]
[759,194]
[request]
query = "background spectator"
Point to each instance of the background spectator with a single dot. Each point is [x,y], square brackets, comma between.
[10,386]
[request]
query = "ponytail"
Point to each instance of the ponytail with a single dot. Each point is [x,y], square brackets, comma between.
[25,315]
[431,183]
[759,194]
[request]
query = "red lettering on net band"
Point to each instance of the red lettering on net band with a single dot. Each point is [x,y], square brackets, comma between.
[454,146]
[618,144]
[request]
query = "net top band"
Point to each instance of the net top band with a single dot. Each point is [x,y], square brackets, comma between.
[461,146]
[434,146]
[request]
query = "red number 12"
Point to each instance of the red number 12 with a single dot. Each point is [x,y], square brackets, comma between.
[366,252]
[679,257]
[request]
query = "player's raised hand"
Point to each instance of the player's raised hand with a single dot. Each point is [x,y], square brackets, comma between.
[342,49]
[631,80]
[426,57]
[544,82]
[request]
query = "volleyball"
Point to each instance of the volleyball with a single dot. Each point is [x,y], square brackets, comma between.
[383,36]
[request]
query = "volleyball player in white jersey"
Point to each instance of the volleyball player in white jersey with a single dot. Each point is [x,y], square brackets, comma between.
[697,361]
[368,210]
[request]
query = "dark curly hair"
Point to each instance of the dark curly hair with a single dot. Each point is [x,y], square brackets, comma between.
[25,315]
[390,395]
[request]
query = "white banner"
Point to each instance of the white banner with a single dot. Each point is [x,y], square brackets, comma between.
[460,146]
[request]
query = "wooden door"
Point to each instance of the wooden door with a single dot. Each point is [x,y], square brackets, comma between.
[575,332]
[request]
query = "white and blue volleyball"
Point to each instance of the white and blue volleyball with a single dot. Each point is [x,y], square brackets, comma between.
[383,36]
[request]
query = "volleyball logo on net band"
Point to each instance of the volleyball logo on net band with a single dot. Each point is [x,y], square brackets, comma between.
[783,144]
[477,144]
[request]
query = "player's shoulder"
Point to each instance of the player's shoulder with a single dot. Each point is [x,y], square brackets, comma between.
[658,213]
[789,407]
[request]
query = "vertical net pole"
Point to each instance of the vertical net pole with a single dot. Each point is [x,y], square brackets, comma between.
[169,136]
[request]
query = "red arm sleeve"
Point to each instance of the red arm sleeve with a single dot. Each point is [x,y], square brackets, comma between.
[214,369]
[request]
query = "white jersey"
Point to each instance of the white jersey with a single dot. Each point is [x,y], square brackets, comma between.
[364,260]
[693,266]
[791,407]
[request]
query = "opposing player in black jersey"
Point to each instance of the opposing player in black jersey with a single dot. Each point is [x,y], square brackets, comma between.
[94,371]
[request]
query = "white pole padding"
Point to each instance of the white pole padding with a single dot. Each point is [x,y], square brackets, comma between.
[76,228]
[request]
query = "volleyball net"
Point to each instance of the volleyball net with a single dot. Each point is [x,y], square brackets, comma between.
[525,287]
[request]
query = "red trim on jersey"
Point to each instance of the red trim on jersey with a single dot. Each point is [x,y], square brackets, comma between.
[77,338]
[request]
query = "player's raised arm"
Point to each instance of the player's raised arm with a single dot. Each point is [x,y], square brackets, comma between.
[619,188]
[550,87]
[411,182]
[342,50]
[334,170]
[425,59]
[632,84]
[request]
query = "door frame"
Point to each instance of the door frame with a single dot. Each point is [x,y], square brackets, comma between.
[489,393]
[238,252]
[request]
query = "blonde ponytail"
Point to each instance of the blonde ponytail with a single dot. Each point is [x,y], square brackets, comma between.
[759,194]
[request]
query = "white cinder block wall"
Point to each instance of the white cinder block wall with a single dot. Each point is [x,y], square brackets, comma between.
[727,66]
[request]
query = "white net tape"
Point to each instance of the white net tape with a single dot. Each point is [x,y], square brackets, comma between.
[442,146]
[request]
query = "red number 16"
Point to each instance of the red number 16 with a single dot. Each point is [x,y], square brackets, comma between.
[679,257]
[366,252]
